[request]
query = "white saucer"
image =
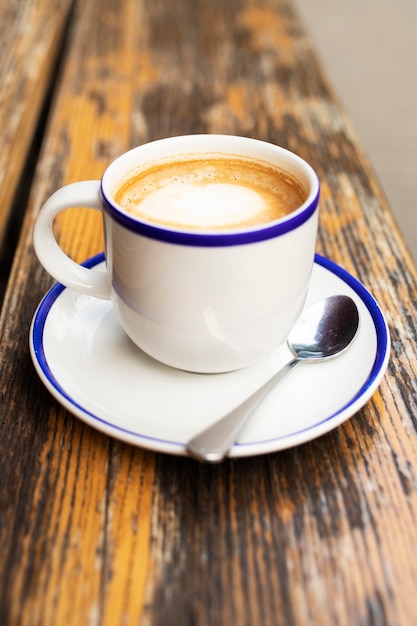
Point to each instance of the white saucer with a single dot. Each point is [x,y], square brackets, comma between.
[92,368]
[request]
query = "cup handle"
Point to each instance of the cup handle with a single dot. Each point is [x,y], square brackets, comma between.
[52,257]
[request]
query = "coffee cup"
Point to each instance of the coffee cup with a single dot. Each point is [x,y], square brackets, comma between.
[209,247]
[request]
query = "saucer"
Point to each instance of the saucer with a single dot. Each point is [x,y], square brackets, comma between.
[93,369]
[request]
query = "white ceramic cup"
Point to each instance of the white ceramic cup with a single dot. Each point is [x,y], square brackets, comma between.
[203,302]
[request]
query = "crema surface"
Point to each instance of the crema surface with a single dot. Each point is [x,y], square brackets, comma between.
[210,194]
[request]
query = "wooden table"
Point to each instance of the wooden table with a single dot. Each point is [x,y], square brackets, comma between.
[31,36]
[97,532]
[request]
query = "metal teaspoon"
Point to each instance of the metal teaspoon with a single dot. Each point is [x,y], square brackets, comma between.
[324,330]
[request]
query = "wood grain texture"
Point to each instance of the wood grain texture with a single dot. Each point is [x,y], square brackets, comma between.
[31,35]
[93,531]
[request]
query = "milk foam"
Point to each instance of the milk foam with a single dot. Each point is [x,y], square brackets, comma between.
[207,205]
[210,194]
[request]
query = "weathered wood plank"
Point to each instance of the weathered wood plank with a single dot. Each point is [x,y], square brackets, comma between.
[95,531]
[31,35]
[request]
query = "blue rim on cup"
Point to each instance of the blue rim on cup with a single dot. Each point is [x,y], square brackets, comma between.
[297,166]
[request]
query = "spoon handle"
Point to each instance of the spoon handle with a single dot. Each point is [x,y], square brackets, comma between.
[213,443]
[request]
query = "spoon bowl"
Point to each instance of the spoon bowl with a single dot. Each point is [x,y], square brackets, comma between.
[323,331]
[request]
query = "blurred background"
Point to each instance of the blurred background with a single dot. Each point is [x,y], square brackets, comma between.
[361,43]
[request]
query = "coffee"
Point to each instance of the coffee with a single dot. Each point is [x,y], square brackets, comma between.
[206,296]
[210,193]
